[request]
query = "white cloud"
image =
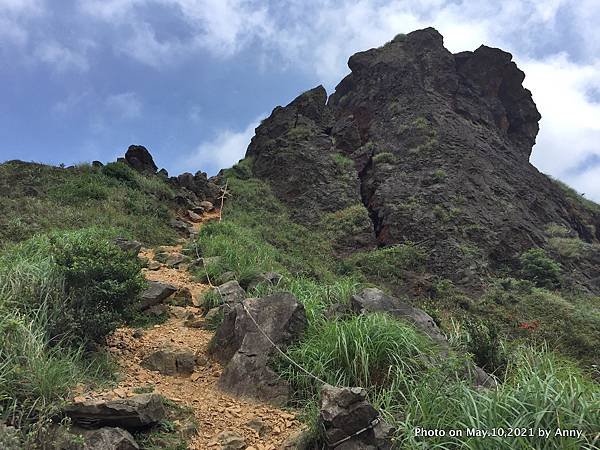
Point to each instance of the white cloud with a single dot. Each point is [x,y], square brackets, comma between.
[126,105]
[14,18]
[61,58]
[224,150]
[570,125]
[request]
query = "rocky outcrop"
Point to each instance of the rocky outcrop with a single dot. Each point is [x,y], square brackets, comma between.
[140,159]
[350,421]
[372,300]
[137,412]
[244,350]
[436,147]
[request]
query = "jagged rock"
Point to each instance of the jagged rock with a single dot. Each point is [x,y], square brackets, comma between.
[170,362]
[153,265]
[199,210]
[108,438]
[231,292]
[136,412]
[175,259]
[244,350]
[97,164]
[207,206]
[230,440]
[374,300]
[128,245]
[163,173]
[140,159]
[156,293]
[194,217]
[436,148]
[272,278]
[344,412]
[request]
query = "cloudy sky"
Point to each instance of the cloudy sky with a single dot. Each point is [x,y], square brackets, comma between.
[190,79]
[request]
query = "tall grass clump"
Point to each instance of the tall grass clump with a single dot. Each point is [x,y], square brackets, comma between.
[58,293]
[540,392]
[366,350]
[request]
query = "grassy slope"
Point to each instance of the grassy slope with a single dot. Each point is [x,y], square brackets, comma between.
[59,271]
[539,389]
[38,198]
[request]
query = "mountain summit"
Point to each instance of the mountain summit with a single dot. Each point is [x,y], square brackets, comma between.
[435,147]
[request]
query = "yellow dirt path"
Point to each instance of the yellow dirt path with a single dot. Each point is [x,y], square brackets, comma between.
[214,410]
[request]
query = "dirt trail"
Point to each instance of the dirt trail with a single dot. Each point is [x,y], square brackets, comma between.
[214,410]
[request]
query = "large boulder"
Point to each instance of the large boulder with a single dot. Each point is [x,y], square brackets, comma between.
[350,421]
[140,159]
[371,300]
[244,350]
[155,293]
[137,412]
[128,245]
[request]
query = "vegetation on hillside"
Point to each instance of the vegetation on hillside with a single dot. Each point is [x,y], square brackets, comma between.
[509,330]
[64,284]
[35,198]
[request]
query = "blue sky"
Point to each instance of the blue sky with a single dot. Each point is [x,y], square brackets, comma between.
[190,79]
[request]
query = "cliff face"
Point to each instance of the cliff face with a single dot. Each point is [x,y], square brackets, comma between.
[436,147]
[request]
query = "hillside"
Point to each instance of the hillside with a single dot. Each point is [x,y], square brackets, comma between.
[385,262]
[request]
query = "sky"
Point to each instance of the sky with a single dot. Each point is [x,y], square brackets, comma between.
[81,80]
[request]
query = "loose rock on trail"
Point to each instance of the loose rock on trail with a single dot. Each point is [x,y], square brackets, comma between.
[217,413]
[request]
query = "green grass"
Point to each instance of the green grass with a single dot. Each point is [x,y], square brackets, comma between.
[36,198]
[387,264]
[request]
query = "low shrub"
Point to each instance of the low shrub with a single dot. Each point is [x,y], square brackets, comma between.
[384,158]
[538,267]
[85,283]
[388,263]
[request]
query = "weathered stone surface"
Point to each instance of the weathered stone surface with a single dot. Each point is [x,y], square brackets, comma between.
[344,412]
[436,147]
[136,412]
[128,245]
[180,312]
[140,159]
[230,440]
[374,300]
[207,206]
[108,438]
[156,293]
[244,350]
[154,265]
[231,292]
[170,361]
[175,259]
[194,217]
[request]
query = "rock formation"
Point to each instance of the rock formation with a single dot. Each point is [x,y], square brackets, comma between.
[435,146]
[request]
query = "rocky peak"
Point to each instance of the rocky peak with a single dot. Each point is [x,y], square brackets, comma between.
[138,157]
[434,145]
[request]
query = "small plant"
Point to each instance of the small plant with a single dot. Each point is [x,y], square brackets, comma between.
[439,175]
[389,263]
[342,162]
[538,267]
[121,172]
[569,247]
[384,158]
